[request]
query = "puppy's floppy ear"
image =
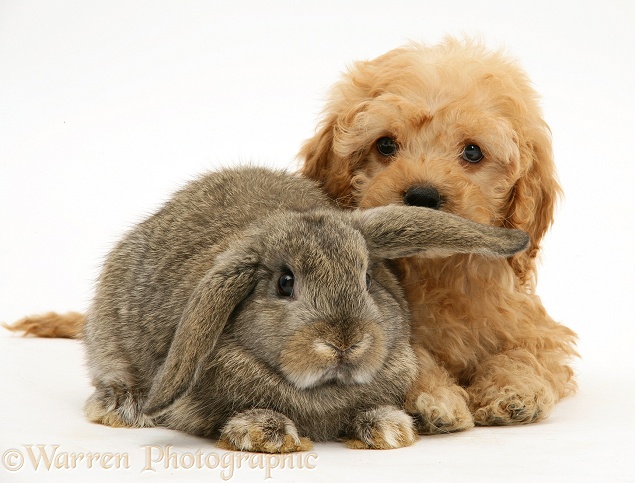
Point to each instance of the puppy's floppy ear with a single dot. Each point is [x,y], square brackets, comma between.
[337,151]
[534,196]
[320,162]
[396,231]
[208,310]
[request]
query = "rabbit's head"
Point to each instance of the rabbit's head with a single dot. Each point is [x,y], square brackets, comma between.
[309,294]
[322,311]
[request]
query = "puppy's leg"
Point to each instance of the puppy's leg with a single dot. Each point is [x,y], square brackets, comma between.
[438,404]
[263,431]
[511,388]
[385,427]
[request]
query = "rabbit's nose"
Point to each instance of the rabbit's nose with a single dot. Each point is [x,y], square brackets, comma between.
[341,349]
[350,348]
[424,196]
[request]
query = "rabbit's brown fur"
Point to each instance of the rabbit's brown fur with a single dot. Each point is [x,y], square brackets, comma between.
[188,328]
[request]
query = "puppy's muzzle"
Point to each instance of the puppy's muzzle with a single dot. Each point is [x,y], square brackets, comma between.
[424,196]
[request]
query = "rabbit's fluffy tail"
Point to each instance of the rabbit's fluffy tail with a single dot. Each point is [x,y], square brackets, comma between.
[68,326]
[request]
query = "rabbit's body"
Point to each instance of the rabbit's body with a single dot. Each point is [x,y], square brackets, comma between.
[194,326]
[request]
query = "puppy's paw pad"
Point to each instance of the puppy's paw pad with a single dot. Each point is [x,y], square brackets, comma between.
[443,412]
[262,431]
[385,427]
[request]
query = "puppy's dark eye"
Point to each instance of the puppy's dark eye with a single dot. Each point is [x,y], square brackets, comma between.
[472,153]
[285,285]
[386,146]
[369,281]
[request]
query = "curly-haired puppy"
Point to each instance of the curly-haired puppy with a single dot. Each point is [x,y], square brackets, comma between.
[456,127]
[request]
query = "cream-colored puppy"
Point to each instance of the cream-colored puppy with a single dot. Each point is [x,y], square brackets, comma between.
[456,127]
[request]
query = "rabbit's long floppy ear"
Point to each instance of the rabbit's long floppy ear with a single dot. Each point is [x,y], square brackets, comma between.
[231,279]
[397,231]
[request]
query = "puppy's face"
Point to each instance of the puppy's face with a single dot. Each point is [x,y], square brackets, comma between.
[452,127]
[451,149]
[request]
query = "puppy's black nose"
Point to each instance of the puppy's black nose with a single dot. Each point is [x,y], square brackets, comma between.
[424,196]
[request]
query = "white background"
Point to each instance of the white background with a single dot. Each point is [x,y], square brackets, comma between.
[106,107]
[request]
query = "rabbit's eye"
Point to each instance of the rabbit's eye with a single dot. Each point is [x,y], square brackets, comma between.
[472,153]
[386,146]
[285,285]
[369,281]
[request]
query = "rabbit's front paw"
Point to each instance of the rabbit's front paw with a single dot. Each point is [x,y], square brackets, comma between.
[385,427]
[117,406]
[443,411]
[263,431]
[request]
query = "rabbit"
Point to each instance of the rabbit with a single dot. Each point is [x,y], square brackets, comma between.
[250,309]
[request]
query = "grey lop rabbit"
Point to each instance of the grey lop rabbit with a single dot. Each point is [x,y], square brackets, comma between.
[250,309]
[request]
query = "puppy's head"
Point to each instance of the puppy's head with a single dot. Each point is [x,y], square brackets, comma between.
[453,127]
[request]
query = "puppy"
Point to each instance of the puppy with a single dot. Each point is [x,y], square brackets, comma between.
[457,128]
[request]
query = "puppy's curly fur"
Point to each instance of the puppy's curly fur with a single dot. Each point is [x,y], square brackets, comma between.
[410,127]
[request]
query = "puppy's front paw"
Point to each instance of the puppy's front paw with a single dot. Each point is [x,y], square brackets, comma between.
[443,411]
[508,405]
[385,427]
[262,431]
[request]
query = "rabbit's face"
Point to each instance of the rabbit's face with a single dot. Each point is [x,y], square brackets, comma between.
[321,312]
